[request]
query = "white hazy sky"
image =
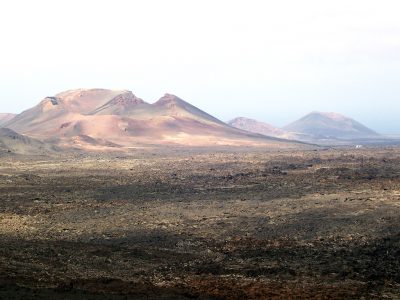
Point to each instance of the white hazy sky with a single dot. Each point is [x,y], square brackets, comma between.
[270,60]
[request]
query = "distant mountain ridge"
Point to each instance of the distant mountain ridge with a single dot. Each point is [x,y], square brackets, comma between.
[316,127]
[256,126]
[96,118]
[266,129]
[101,118]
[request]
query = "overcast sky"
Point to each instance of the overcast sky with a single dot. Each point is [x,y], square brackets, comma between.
[270,60]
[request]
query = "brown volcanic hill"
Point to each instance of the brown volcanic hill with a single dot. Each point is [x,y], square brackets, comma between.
[4,118]
[105,118]
[12,142]
[330,125]
[60,109]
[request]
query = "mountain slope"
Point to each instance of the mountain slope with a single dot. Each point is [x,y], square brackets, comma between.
[10,141]
[4,118]
[330,125]
[126,103]
[256,127]
[100,118]
[171,105]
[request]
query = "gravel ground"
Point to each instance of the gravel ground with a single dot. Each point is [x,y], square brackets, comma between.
[207,224]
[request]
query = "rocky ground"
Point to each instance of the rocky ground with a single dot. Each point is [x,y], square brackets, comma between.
[205,224]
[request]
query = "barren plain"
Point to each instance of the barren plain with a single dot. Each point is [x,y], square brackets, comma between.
[202,224]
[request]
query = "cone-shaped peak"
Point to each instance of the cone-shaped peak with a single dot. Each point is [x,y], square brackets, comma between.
[126,98]
[169,99]
[330,125]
